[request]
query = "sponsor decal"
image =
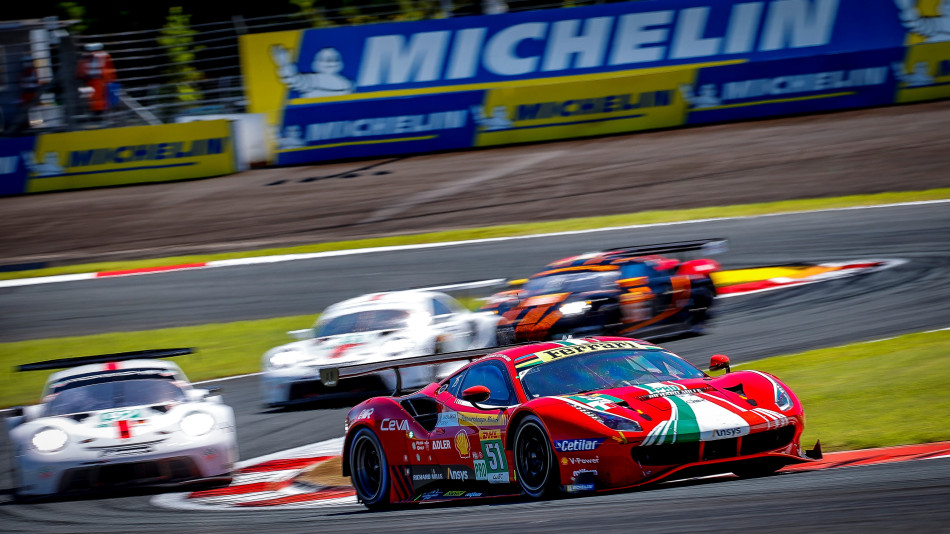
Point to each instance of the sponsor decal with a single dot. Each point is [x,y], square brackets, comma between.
[589,347]
[429,495]
[569,445]
[462,444]
[481,419]
[447,419]
[132,449]
[457,474]
[484,435]
[441,444]
[426,474]
[498,478]
[495,463]
[595,460]
[365,413]
[729,432]
[473,494]
[481,470]
[677,392]
[394,424]
[455,494]
[577,488]
[582,471]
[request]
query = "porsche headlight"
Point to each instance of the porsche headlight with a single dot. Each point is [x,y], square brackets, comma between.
[782,399]
[50,439]
[615,422]
[284,358]
[398,345]
[197,423]
[575,308]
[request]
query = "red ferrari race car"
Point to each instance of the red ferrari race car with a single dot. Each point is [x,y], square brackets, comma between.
[573,416]
[639,290]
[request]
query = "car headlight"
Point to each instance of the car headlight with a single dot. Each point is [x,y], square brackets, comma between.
[197,423]
[284,358]
[50,439]
[398,345]
[575,308]
[782,399]
[615,422]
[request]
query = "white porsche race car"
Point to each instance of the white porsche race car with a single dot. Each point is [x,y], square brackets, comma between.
[120,419]
[367,329]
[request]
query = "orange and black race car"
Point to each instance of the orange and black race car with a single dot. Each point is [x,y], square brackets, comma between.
[622,291]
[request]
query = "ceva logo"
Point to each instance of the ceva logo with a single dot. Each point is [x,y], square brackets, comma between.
[394,424]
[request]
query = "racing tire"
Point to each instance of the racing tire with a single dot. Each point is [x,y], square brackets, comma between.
[369,470]
[535,463]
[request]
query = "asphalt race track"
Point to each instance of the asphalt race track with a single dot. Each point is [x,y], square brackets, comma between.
[911,297]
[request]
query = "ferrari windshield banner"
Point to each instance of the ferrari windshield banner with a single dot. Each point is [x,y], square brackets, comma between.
[570,72]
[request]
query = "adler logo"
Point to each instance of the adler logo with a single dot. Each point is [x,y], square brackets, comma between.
[441,444]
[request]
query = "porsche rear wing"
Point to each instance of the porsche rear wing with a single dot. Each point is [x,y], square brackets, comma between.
[704,246]
[64,363]
[331,375]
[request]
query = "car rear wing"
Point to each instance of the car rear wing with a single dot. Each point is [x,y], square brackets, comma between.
[704,246]
[64,363]
[331,375]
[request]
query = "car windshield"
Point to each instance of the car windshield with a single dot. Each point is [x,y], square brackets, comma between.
[103,395]
[364,321]
[604,370]
[571,282]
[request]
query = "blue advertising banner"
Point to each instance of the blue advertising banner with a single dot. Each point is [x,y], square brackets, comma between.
[789,86]
[377,127]
[583,40]
[15,155]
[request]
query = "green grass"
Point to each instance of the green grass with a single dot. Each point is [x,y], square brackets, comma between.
[863,395]
[586,223]
[878,394]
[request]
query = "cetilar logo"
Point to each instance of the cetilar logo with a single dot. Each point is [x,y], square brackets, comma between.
[596,43]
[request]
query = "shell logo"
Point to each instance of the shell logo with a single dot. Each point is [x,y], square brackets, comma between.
[462,444]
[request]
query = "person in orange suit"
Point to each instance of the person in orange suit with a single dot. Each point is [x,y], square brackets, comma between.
[96,72]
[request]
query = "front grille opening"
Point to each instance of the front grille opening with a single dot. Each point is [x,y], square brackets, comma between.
[768,440]
[356,386]
[115,475]
[721,448]
[675,453]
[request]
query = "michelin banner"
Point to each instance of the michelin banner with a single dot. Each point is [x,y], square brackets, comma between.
[561,73]
[116,156]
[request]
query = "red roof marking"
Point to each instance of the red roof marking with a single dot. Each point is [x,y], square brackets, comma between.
[144,270]
[124,431]
[282,465]
[242,489]
[319,495]
[338,351]
[876,456]
[112,366]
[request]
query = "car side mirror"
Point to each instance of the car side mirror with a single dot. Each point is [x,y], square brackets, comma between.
[719,362]
[476,394]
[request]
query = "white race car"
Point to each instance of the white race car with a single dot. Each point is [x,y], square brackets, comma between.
[120,419]
[367,329]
